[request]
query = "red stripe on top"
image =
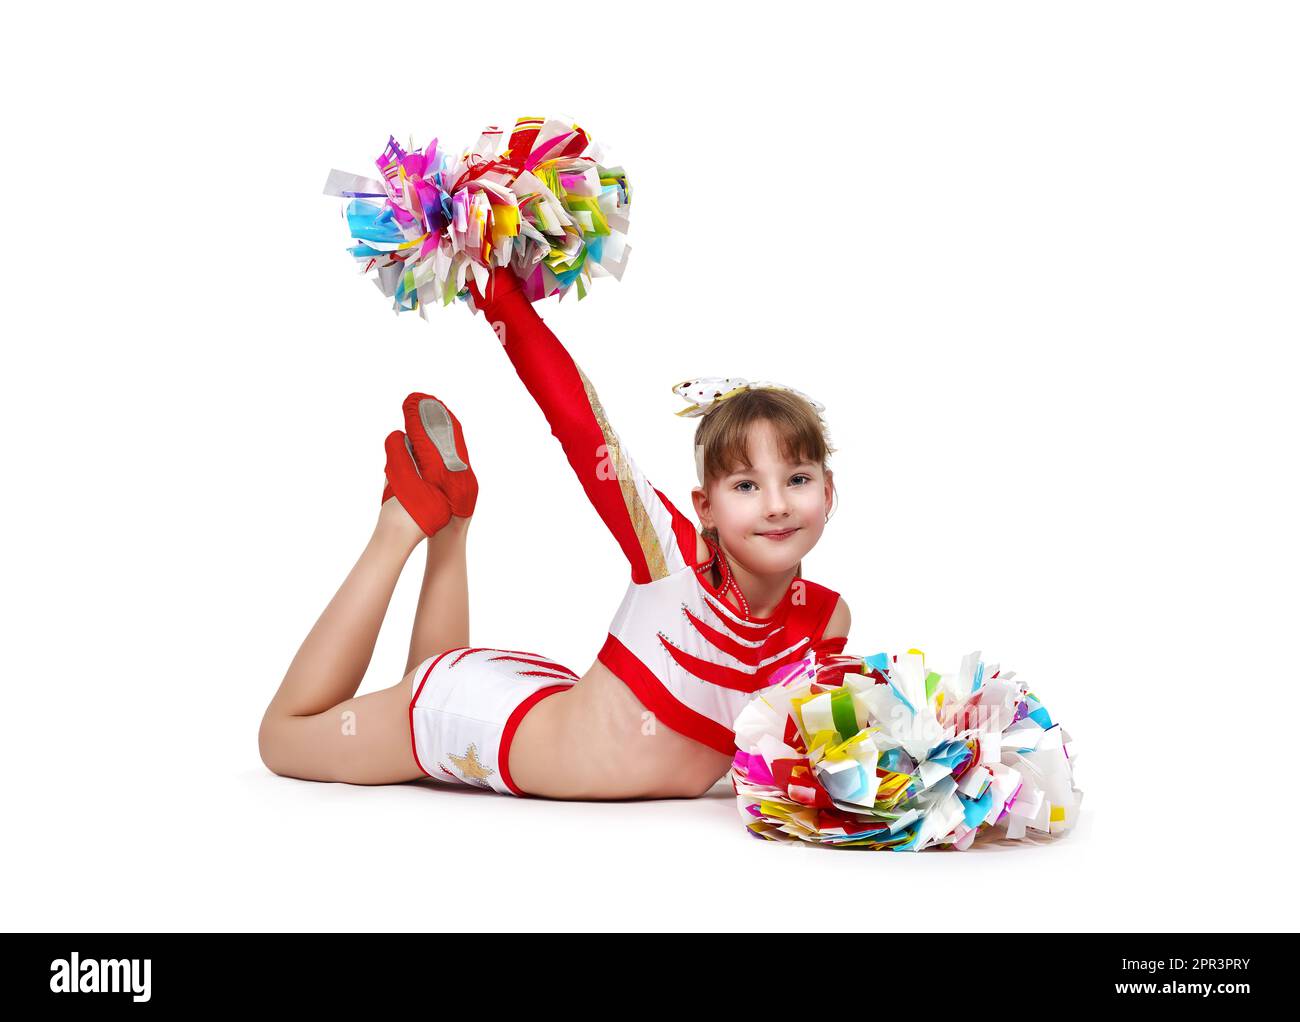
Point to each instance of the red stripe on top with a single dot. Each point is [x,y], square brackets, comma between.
[662,703]
[731,677]
[748,656]
[684,530]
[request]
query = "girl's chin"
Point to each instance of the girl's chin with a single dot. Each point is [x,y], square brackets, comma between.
[772,558]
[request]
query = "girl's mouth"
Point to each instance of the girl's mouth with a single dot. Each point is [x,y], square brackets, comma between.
[784,534]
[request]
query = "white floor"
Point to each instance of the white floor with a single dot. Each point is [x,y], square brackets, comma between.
[250,850]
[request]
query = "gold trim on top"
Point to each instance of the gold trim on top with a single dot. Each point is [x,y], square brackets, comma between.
[636,511]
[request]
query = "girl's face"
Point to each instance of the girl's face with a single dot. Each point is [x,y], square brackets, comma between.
[770,515]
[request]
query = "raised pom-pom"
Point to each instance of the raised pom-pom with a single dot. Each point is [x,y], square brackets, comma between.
[879,753]
[546,206]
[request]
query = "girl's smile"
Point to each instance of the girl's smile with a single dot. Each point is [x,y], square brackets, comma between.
[768,512]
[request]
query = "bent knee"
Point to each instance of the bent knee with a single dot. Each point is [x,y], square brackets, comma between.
[268,746]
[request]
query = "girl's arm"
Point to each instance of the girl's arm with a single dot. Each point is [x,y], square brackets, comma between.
[836,634]
[656,538]
[834,638]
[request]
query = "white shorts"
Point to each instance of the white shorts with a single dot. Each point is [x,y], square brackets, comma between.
[466,706]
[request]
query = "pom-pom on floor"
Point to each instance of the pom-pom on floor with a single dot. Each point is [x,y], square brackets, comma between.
[880,753]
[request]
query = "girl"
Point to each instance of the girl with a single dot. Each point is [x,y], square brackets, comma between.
[710,613]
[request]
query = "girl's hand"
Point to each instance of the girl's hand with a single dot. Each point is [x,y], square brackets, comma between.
[501,282]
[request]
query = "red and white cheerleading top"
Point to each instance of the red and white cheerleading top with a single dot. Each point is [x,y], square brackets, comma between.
[690,658]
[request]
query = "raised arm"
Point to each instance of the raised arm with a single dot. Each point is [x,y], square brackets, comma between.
[653,534]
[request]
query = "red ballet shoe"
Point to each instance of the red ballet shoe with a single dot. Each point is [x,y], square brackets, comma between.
[422,499]
[438,446]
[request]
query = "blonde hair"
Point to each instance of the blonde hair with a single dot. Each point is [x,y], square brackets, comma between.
[722,437]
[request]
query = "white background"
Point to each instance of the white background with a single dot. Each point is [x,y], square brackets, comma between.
[1038,261]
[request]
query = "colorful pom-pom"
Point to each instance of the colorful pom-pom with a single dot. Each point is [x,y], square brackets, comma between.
[879,753]
[546,206]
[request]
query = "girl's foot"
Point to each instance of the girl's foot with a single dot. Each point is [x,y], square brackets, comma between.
[425,504]
[438,447]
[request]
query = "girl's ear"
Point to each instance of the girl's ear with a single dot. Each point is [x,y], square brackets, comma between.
[700,498]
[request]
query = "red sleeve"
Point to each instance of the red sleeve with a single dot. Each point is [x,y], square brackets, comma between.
[826,646]
[655,537]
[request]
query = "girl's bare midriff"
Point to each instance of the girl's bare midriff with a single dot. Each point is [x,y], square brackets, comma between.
[597,740]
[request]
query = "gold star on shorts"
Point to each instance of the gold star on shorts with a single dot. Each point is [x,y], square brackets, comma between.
[470,766]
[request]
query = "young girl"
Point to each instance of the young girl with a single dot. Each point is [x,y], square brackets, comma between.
[708,616]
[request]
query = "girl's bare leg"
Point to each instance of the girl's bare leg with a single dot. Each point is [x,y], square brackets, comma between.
[314,727]
[442,615]
[332,660]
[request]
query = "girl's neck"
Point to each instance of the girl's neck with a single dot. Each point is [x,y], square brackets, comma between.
[762,593]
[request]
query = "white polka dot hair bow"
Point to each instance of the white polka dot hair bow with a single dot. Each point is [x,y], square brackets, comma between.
[707,392]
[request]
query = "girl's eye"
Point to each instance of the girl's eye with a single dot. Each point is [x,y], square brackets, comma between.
[801,475]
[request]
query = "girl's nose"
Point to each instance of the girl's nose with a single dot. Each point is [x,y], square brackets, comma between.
[777,506]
